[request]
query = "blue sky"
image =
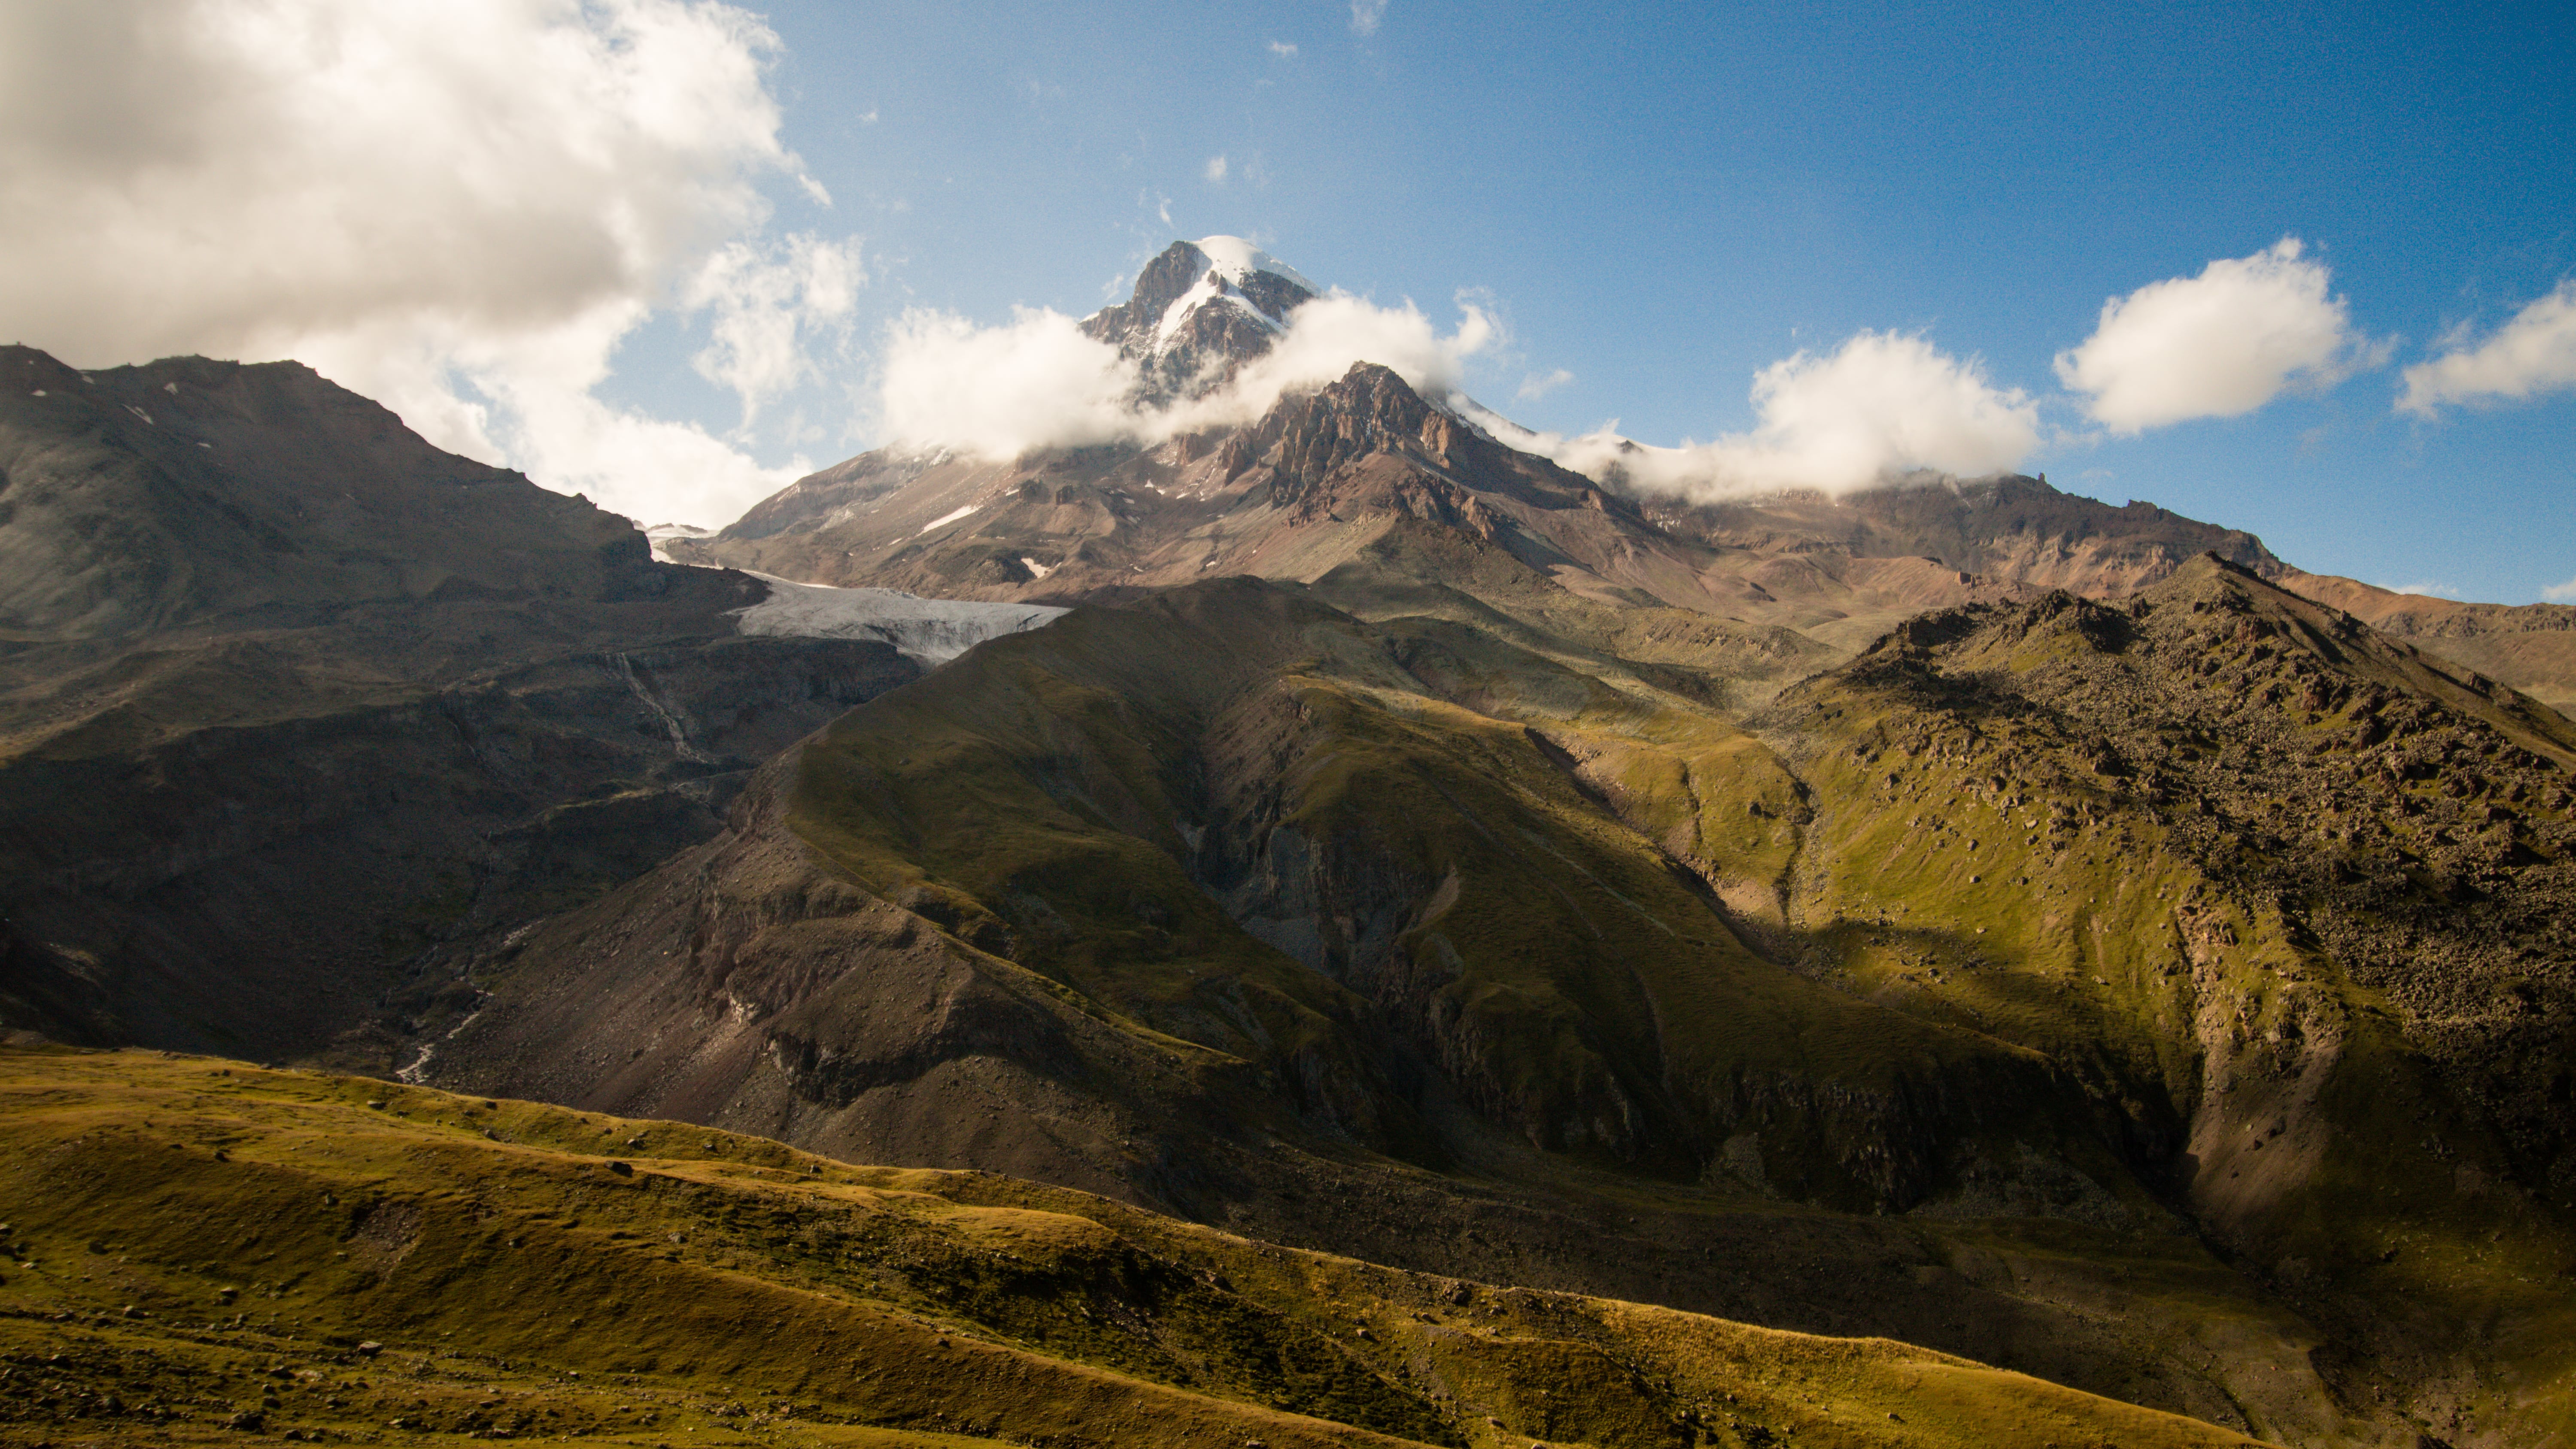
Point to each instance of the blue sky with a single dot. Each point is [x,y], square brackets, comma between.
[663,250]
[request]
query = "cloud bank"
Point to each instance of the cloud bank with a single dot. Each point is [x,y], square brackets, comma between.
[2532,354]
[458,208]
[1882,405]
[1036,382]
[2214,346]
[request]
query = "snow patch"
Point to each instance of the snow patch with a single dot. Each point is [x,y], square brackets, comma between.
[933,631]
[945,519]
[1239,259]
[1040,570]
[1201,291]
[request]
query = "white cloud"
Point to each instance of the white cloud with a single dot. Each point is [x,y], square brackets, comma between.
[2533,353]
[2216,345]
[766,304]
[2427,589]
[1285,50]
[1534,386]
[459,209]
[1882,405]
[1878,407]
[1039,382]
[1366,15]
[1001,391]
[1215,171]
[2560,593]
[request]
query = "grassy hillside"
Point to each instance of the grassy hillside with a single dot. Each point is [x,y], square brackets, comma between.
[205,1251]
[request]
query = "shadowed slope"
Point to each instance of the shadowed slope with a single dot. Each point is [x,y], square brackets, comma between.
[289,699]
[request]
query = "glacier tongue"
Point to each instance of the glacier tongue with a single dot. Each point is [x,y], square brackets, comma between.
[933,631]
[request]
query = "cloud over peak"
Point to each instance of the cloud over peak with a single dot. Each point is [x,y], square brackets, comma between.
[2216,345]
[1038,381]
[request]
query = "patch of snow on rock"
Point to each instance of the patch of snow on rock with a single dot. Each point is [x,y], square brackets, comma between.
[1239,259]
[948,518]
[933,631]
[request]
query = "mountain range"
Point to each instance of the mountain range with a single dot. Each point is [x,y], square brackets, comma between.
[2061,937]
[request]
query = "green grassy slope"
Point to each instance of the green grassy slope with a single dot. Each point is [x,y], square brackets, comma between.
[203,1251]
[2290,891]
[1243,820]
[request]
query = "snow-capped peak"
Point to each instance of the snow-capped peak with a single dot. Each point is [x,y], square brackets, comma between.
[1199,309]
[1238,259]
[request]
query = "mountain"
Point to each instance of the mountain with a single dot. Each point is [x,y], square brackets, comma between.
[1398,940]
[2531,647]
[289,700]
[219,1252]
[1396,766]
[1349,476]
[1962,915]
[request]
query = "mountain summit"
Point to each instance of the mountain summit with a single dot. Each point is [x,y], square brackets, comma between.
[1199,311]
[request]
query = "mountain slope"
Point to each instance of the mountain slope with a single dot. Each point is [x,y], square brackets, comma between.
[216,1249]
[1232,903]
[289,698]
[145,498]
[2228,839]
[2531,647]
